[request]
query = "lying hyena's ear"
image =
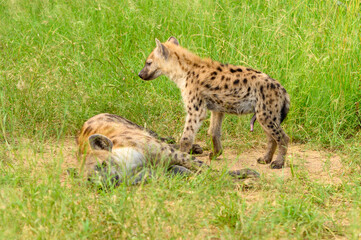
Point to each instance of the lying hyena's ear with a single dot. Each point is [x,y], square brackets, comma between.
[161,49]
[100,142]
[173,40]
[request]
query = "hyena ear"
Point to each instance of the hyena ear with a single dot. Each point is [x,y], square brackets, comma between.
[173,40]
[100,142]
[161,49]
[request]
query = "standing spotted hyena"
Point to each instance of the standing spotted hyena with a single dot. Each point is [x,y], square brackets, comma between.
[221,88]
[113,149]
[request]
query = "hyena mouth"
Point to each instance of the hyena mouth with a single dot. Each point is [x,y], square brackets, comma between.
[146,76]
[150,77]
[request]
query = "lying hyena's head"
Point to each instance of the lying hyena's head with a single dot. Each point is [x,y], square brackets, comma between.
[106,166]
[159,60]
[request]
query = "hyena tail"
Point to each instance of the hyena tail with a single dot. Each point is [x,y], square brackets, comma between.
[285,107]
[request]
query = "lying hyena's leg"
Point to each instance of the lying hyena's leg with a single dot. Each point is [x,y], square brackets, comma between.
[195,149]
[176,169]
[196,113]
[271,125]
[163,154]
[215,132]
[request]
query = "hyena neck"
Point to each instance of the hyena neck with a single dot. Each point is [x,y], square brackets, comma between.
[185,64]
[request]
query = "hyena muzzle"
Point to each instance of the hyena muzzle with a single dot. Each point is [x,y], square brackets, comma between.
[221,88]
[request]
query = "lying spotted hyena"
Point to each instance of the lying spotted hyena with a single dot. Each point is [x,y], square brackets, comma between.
[114,149]
[221,88]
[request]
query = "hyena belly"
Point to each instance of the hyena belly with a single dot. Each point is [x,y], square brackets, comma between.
[236,106]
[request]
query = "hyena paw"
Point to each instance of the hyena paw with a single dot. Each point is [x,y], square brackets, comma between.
[262,160]
[214,155]
[196,149]
[277,164]
[185,146]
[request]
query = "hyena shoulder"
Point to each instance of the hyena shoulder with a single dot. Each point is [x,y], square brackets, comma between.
[119,130]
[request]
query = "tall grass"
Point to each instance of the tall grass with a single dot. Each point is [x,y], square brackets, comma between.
[61,62]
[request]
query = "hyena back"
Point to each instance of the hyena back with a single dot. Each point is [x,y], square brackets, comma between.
[221,88]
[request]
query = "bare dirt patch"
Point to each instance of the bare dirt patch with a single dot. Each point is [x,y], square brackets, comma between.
[318,165]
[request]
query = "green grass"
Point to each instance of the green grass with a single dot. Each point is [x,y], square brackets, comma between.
[62,62]
[38,201]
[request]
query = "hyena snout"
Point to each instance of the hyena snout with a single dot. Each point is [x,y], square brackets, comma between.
[141,74]
[146,74]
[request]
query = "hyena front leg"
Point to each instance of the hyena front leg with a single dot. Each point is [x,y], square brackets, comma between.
[214,131]
[196,113]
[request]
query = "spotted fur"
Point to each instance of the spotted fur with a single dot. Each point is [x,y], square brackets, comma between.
[221,88]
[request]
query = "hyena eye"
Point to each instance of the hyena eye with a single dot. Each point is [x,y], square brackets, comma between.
[148,63]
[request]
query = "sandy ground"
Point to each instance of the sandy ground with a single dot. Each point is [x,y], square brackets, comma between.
[318,165]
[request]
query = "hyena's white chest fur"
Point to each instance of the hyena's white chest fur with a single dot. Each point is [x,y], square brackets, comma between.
[129,159]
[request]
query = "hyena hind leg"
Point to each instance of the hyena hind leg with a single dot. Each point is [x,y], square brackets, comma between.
[282,141]
[214,131]
[271,148]
[276,137]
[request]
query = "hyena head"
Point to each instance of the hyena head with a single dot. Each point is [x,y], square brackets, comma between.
[107,166]
[159,60]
